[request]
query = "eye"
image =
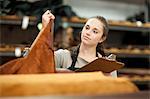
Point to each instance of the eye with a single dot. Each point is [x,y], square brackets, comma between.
[94,31]
[87,27]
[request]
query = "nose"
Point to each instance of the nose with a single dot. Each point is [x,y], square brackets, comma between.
[88,32]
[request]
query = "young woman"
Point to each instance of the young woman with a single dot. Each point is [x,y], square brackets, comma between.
[93,34]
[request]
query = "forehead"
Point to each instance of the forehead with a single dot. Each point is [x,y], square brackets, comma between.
[95,23]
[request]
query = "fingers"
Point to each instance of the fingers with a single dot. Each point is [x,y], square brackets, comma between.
[49,14]
[46,18]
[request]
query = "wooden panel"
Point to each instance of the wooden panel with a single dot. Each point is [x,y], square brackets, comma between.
[94,83]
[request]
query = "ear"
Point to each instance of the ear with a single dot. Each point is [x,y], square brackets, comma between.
[102,39]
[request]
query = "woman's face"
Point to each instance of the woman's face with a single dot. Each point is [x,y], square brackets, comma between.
[92,32]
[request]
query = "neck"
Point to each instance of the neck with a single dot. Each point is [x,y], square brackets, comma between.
[87,52]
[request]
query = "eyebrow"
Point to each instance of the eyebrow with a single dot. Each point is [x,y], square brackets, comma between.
[94,28]
[87,25]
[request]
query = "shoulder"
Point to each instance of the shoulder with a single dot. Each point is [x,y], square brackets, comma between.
[62,58]
[62,52]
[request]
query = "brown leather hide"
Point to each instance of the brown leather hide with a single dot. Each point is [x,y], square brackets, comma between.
[72,84]
[40,59]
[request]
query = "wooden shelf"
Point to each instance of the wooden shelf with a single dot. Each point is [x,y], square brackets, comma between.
[78,22]
[16,20]
[139,76]
[9,50]
[136,52]
[114,25]
[134,71]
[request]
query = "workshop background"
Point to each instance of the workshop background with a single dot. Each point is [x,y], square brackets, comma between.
[129,34]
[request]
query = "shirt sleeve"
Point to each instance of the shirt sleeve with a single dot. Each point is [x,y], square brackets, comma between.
[58,58]
[62,57]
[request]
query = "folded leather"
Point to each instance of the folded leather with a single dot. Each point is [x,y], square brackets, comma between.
[40,58]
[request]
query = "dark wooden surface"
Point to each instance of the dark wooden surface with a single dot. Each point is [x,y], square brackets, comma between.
[138,95]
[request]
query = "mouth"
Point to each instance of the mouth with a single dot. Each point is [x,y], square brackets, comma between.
[86,38]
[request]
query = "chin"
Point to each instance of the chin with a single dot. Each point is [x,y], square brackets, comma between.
[88,43]
[85,42]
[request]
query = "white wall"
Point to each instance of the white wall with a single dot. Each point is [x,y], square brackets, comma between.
[108,9]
